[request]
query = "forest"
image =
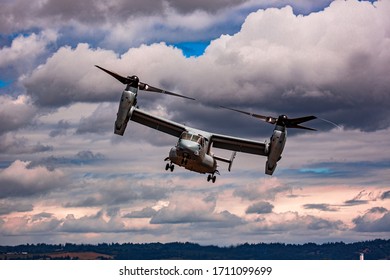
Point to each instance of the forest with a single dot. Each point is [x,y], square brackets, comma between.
[378,249]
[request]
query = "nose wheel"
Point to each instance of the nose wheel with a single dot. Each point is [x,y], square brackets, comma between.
[211,178]
[169,166]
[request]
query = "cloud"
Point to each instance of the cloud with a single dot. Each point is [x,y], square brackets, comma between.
[7,207]
[81,158]
[314,60]
[61,128]
[15,113]
[385,195]
[200,210]
[293,222]
[320,206]
[25,49]
[20,181]
[180,211]
[25,225]
[357,200]
[143,21]
[60,81]
[10,144]
[94,223]
[262,207]
[266,188]
[376,219]
[116,190]
[147,212]
[103,115]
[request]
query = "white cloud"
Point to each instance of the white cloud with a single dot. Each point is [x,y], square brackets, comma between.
[24,51]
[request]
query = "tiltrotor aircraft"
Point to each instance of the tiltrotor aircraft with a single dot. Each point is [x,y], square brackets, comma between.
[193,148]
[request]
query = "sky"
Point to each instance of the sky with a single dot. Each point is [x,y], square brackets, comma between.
[65,176]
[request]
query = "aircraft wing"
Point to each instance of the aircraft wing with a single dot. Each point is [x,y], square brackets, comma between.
[158,123]
[238,144]
[219,141]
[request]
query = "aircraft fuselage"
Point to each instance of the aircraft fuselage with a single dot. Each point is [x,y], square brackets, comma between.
[190,153]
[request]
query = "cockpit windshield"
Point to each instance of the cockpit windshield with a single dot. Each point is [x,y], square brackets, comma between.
[192,137]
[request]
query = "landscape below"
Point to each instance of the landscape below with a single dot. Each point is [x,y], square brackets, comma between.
[378,249]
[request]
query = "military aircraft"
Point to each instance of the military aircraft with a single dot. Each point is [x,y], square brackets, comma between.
[193,150]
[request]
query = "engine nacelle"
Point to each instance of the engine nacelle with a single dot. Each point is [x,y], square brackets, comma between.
[275,149]
[270,167]
[127,102]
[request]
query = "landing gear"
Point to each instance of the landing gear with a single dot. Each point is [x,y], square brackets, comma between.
[211,178]
[169,166]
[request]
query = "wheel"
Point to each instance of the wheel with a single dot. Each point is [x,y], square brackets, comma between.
[214,178]
[172,167]
[208,178]
[167,166]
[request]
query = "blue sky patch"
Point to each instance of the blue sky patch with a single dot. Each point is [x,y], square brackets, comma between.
[4,84]
[320,170]
[192,49]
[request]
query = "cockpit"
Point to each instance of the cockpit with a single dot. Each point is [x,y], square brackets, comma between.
[192,137]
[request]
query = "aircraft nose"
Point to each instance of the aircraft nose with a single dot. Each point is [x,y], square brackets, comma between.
[189,146]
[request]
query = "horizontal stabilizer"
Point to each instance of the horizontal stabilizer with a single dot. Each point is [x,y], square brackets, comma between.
[230,161]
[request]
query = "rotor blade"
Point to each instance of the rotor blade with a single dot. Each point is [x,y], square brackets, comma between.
[146,87]
[300,120]
[267,119]
[300,127]
[123,80]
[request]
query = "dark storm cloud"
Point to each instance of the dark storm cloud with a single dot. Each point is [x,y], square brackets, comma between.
[353,202]
[291,221]
[115,191]
[361,198]
[261,190]
[23,14]
[376,219]
[323,224]
[253,70]
[7,207]
[10,144]
[61,129]
[216,220]
[212,6]
[147,212]
[15,113]
[100,121]
[262,207]
[385,195]
[20,181]
[81,158]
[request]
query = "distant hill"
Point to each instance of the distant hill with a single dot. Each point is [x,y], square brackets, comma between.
[373,250]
